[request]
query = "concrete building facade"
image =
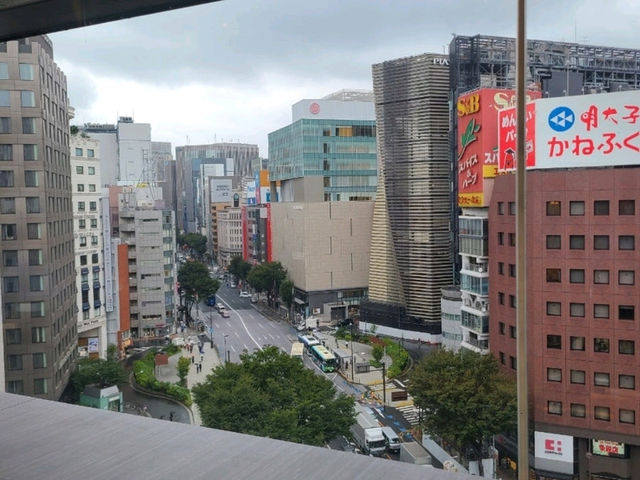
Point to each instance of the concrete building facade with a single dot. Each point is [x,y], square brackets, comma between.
[325,248]
[229,226]
[411,243]
[88,246]
[36,221]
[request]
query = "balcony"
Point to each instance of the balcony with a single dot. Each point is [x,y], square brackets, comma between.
[476,345]
[127,227]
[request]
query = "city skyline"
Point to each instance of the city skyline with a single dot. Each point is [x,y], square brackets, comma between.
[232,70]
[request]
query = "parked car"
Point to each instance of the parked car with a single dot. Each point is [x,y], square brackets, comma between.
[254,298]
[225,314]
[244,294]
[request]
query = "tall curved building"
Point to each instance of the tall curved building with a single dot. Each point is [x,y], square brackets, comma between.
[411,258]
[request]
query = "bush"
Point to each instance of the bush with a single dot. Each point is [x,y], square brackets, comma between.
[143,371]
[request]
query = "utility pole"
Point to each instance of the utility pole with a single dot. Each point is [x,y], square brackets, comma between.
[384,384]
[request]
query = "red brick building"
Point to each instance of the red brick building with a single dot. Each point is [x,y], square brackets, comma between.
[583,309]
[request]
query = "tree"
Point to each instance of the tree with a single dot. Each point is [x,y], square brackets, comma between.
[96,371]
[196,242]
[183,370]
[239,267]
[272,394]
[465,398]
[286,292]
[267,277]
[195,280]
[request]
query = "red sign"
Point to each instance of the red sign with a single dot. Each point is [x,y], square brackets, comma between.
[507,130]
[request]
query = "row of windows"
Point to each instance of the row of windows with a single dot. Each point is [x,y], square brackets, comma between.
[93,206]
[8,205]
[11,284]
[600,310]
[90,154]
[17,386]
[28,125]
[94,259]
[599,412]
[600,277]
[27,98]
[9,231]
[600,344]
[13,336]
[600,379]
[25,71]
[14,362]
[600,242]
[10,257]
[13,310]
[91,187]
[83,241]
[82,223]
[31,178]
[29,152]
[577,207]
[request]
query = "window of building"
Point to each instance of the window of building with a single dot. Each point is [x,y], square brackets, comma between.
[38,335]
[554,374]
[40,386]
[553,308]
[7,205]
[94,240]
[13,336]
[35,257]
[93,223]
[576,242]
[33,204]
[512,239]
[500,268]
[626,242]
[91,154]
[83,259]
[30,152]
[10,284]
[11,310]
[601,242]
[554,275]
[81,206]
[5,124]
[80,187]
[626,277]
[601,207]
[553,208]
[94,258]
[554,242]
[627,382]
[554,408]
[578,410]
[554,341]
[576,208]
[512,301]
[626,312]
[601,379]
[626,347]
[82,224]
[512,208]
[502,358]
[37,309]
[576,309]
[600,310]
[500,208]
[26,71]
[79,168]
[27,98]
[31,178]
[10,258]
[501,298]
[601,276]
[500,238]
[627,416]
[6,178]
[6,152]
[5,98]
[501,326]
[4,70]
[601,413]
[577,343]
[9,231]
[93,206]
[28,125]
[92,187]
[578,377]
[601,345]
[39,360]
[34,231]
[513,362]
[78,152]
[36,283]
[512,331]
[91,170]
[576,276]
[512,270]
[83,241]
[626,207]
[15,386]
[14,362]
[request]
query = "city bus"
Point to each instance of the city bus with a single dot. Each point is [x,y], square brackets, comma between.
[308,342]
[324,358]
[297,350]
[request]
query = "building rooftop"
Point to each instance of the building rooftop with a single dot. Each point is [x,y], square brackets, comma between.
[46,439]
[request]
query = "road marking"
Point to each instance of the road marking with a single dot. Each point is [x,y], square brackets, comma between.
[272,338]
[247,330]
[245,347]
[233,349]
[261,326]
[228,324]
[236,334]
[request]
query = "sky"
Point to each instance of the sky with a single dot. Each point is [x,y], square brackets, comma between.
[229,71]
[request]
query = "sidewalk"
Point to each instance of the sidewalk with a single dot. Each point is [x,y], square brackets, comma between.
[169,373]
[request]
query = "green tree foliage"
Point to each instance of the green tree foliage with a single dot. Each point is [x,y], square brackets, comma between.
[183,370]
[195,280]
[267,277]
[239,267]
[377,353]
[96,371]
[271,394]
[465,398]
[196,242]
[143,372]
[286,292]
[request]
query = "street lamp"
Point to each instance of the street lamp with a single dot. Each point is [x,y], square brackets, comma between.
[211,325]
[225,348]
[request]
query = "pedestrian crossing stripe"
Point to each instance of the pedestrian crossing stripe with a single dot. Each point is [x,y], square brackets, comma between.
[410,414]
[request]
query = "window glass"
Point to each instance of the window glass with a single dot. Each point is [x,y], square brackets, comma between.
[627,382]
[512,208]
[554,341]
[626,242]
[9,231]
[7,205]
[578,410]
[555,408]
[601,379]
[601,413]
[627,207]
[13,336]
[578,376]
[6,152]
[627,416]
[601,242]
[601,276]
[40,386]
[28,125]
[626,347]
[601,207]
[10,258]
[35,257]
[577,343]
[39,360]
[626,277]
[554,242]
[553,308]
[626,312]
[10,284]
[34,231]
[601,345]
[30,151]
[4,98]
[79,169]
[576,242]
[553,275]
[33,204]
[500,205]
[576,208]
[554,374]
[553,208]
[78,152]
[601,310]
[6,178]
[91,154]
[26,71]
[27,98]
[5,125]
[38,335]
[576,309]
[4,71]
[31,178]
[576,276]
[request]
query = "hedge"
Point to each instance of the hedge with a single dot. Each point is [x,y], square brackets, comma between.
[143,371]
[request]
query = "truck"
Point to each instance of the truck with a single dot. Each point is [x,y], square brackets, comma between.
[367,432]
[413,452]
[392,440]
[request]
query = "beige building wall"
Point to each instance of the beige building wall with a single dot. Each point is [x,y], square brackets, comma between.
[323,245]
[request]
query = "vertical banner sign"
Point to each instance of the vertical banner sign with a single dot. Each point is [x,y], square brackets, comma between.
[470,159]
[106,253]
[245,242]
[268,206]
[507,138]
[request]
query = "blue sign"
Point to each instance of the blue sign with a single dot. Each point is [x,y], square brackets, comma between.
[561,119]
[210,330]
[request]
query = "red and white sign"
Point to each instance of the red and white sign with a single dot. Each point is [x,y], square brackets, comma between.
[314,108]
[588,130]
[553,446]
[607,448]
[507,130]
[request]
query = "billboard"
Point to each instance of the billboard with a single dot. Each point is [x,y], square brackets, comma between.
[477,140]
[588,130]
[607,448]
[554,452]
[220,189]
[507,130]
[251,193]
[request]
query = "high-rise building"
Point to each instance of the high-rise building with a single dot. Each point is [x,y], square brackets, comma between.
[36,221]
[229,223]
[165,165]
[107,135]
[332,140]
[410,240]
[235,159]
[88,242]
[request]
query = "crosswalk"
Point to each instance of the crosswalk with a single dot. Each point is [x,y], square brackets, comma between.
[410,414]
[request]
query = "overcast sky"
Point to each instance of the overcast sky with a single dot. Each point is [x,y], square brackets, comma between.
[230,70]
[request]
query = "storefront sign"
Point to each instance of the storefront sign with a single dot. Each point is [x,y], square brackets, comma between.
[607,448]
[554,452]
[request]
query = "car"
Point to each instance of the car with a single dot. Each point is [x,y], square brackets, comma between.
[225,314]
[244,294]
[232,285]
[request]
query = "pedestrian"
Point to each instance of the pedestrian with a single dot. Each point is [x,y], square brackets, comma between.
[201,357]
[193,358]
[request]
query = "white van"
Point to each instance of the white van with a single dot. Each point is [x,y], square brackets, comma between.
[392,440]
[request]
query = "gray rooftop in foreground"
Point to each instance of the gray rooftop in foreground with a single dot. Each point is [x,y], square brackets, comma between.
[45,439]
